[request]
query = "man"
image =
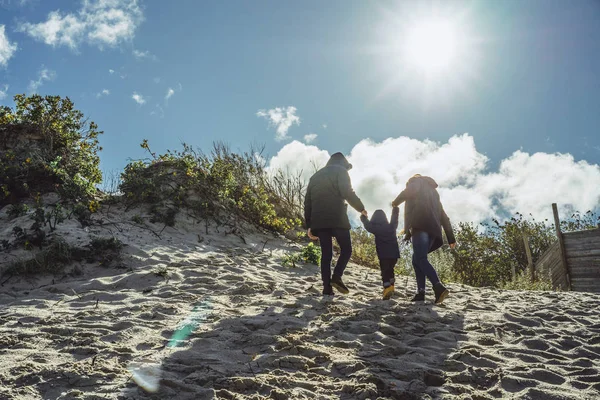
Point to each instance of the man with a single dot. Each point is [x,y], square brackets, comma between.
[325,212]
[424,218]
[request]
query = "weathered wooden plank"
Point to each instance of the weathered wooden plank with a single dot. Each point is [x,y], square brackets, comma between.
[587,281]
[560,281]
[561,243]
[585,265]
[549,251]
[590,233]
[581,246]
[583,253]
[586,274]
[549,263]
[582,256]
[583,243]
[552,257]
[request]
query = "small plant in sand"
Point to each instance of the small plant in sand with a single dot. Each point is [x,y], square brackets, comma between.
[18,210]
[137,219]
[162,271]
[291,259]
[105,250]
[51,260]
[310,253]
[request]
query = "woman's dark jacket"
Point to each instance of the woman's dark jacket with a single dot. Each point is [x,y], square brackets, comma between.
[386,241]
[326,196]
[423,210]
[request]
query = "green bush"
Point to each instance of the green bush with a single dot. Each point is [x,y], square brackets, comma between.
[104,250]
[310,253]
[49,147]
[208,185]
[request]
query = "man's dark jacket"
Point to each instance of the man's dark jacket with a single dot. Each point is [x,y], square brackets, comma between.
[386,241]
[423,210]
[326,196]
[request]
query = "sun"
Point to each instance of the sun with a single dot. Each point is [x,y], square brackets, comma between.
[432,46]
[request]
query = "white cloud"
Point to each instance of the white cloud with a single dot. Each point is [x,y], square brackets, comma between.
[45,75]
[7,49]
[324,126]
[140,55]
[170,93]
[531,183]
[311,137]
[299,158]
[111,71]
[282,118]
[3,92]
[104,92]
[138,98]
[527,183]
[98,22]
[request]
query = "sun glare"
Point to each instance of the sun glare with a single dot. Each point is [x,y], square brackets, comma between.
[431,46]
[428,51]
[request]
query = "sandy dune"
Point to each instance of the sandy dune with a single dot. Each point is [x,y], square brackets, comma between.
[248,328]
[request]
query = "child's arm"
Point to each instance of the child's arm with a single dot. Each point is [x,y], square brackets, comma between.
[366,223]
[394,219]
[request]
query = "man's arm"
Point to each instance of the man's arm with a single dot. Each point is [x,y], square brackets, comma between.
[447,228]
[411,190]
[347,192]
[307,206]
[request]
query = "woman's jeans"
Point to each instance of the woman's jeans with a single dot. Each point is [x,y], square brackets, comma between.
[342,236]
[421,242]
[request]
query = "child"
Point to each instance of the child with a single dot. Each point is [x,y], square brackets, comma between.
[386,244]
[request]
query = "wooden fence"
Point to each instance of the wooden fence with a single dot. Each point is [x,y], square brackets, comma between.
[573,261]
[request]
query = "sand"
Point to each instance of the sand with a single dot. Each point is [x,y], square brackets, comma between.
[200,316]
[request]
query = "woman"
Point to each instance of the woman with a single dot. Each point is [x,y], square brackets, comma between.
[424,218]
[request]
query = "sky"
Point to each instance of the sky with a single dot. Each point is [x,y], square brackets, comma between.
[504,112]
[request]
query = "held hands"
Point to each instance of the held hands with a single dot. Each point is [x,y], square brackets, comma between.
[452,245]
[311,236]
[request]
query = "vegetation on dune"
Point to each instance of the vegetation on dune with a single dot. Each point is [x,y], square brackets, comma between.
[211,185]
[46,145]
[487,254]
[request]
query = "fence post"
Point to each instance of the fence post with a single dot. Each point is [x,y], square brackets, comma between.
[530,264]
[561,243]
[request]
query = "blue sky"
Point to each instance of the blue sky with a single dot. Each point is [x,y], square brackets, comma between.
[526,79]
